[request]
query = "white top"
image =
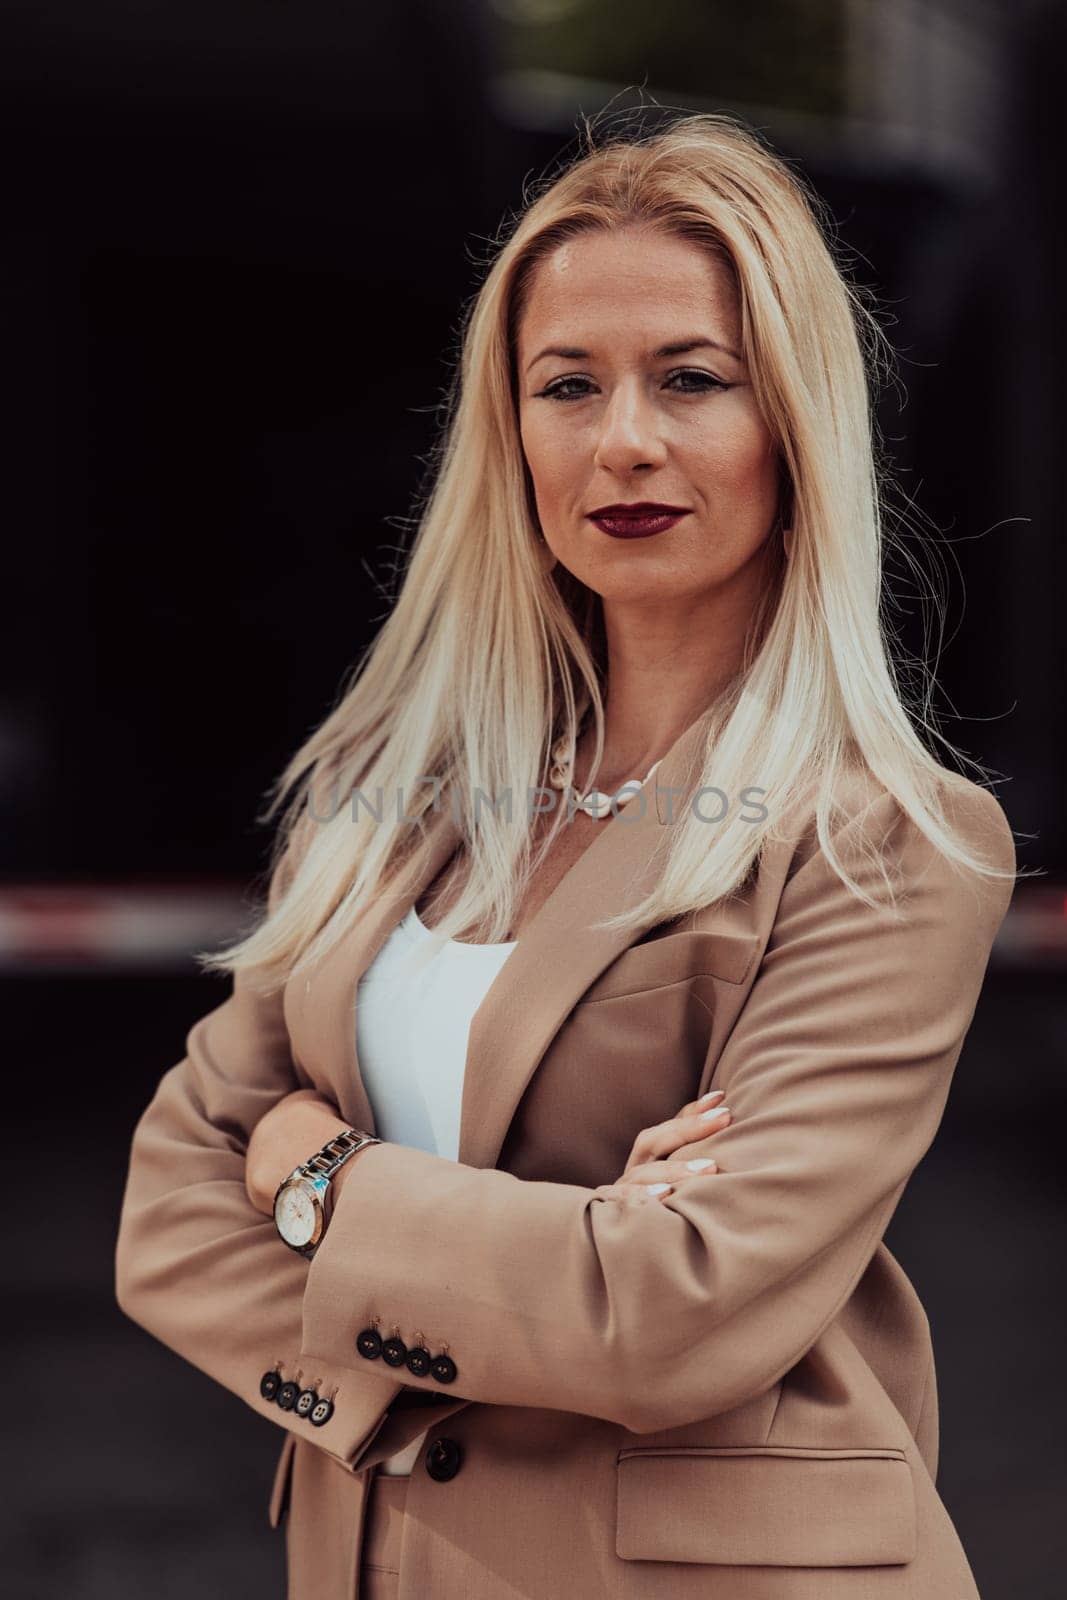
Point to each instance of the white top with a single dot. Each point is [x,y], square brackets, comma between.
[412,1026]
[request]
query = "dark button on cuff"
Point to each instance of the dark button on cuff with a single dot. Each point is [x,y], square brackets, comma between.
[321,1412]
[287,1395]
[419,1361]
[443,1459]
[369,1344]
[305,1400]
[394,1352]
[443,1368]
[269,1384]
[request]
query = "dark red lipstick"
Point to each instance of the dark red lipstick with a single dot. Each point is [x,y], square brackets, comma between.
[636,520]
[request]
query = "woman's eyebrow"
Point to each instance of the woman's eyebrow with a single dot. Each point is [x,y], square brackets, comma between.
[680,347]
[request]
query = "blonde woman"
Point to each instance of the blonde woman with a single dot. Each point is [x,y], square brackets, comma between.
[622,937]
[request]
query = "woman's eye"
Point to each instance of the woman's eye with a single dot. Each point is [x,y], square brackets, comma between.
[555,391]
[706,380]
[706,383]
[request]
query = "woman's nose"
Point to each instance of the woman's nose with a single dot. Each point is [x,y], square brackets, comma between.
[629,433]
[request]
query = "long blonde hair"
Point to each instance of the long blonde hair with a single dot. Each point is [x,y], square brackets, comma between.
[486,657]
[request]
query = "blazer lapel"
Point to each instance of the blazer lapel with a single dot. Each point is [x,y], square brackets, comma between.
[558,955]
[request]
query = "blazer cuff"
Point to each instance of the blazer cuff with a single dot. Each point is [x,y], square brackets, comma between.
[359,1400]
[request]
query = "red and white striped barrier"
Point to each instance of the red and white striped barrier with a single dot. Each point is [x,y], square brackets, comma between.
[108,927]
[155,927]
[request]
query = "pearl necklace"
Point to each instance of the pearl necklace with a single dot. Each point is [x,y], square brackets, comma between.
[596,803]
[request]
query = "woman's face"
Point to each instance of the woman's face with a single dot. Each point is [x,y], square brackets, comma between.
[615,418]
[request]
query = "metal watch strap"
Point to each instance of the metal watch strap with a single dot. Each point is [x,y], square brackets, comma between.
[335,1152]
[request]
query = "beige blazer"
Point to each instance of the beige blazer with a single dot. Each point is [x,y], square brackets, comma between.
[729,1394]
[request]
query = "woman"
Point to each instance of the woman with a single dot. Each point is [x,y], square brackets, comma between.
[551,1318]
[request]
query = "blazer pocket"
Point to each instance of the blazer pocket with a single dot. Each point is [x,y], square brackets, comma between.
[674,957]
[765,1505]
[279,1494]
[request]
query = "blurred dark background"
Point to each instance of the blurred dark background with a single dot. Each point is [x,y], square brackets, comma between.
[236,241]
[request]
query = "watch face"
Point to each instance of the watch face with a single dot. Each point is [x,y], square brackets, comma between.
[296,1213]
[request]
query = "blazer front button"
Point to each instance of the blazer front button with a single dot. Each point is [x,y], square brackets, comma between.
[287,1395]
[443,1459]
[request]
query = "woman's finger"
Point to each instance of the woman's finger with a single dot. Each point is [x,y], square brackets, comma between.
[713,1097]
[664,1138]
[638,1194]
[671,1171]
[656,1179]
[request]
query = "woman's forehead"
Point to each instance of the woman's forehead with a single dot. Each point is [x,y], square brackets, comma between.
[653,291]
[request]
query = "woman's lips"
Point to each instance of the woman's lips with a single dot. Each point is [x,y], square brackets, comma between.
[641,527]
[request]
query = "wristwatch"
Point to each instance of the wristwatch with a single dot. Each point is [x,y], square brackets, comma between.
[302,1201]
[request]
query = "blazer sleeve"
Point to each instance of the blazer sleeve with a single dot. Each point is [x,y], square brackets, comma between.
[837,1072]
[196,1264]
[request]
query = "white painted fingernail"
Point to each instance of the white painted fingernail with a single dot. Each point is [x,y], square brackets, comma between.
[712,1094]
[658,1188]
[716,1111]
[700,1164]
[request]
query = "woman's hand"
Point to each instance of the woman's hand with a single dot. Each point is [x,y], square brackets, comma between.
[648,1177]
[303,1121]
[287,1135]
